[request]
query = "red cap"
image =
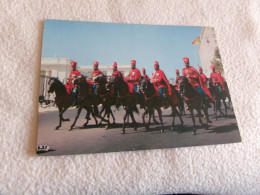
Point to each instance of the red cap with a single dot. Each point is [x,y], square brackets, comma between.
[200,69]
[213,67]
[185,60]
[156,64]
[115,65]
[73,64]
[177,71]
[133,62]
[143,69]
[95,63]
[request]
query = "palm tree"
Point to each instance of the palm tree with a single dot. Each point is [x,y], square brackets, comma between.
[217,60]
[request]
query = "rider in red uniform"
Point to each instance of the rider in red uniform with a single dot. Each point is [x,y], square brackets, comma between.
[115,71]
[160,81]
[177,79]
[96,72]
[195,80]
[216,79]
[144,74]
[134,75]
[74,72]
[203,76]
[70,86]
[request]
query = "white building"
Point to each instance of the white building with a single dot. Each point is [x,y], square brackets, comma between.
[60,67]
[207,47]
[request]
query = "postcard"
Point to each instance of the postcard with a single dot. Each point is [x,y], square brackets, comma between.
[110,87]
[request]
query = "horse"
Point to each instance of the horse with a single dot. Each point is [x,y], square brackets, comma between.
[107,96]
[126,98]
[87,100]
[193,101]
[153,102]
[63,100]
[218,97]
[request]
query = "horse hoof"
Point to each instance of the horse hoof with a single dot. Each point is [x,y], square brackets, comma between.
[162,131]
[85,125]
[106,128]
[70,128]
[57,128]
[122,132]
[135,129]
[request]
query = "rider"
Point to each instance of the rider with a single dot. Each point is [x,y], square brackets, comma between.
[216,79]
[195,80]
[134,75]
[160,82]
[203,76]
[144,74]
[177,79]
[73,75]
[96,72]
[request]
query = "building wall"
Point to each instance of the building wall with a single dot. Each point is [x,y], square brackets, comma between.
[207,46]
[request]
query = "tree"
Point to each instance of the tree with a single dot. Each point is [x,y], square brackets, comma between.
[217,60]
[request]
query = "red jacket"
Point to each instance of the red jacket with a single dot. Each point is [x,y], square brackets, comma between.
[159,80]
[218,79]
[195,79]
[96,73]
[69,88]
[134,75]
[204,78]
[74,74]
[115,73]
[146,76]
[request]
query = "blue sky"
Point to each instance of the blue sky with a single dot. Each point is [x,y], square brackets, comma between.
[86,42]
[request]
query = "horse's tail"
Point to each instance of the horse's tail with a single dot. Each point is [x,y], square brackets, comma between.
[135,109]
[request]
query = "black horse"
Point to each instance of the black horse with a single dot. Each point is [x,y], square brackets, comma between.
[126,98]
[219,96]
[107,97]
[153,102]
[63,100]
[193,101]
[88,101]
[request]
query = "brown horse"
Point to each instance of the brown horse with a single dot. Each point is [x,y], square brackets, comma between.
[153,102]
[63,100]
[127,99]
[193,101]
[107,96]
[86,100]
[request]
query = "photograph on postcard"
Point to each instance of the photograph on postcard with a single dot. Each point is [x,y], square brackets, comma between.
[109,87]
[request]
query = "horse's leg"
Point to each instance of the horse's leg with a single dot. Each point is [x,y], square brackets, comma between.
[126,114]
[108,118]
[159,111]
[60,119]
[225,105]
[150,112]
[173,119]
[102,110]
[193,121]
[178,114]
[65,119]
[114,120]
[133,119]
[143,116]
[76,118]
[154,120]
[87,117]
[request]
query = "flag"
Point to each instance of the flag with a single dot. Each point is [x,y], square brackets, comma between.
[196,40]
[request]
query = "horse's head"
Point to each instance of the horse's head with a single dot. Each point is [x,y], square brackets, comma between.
[182,81]
[53,84]
[114,81]
[79,81]
[101,79]
[143,81]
